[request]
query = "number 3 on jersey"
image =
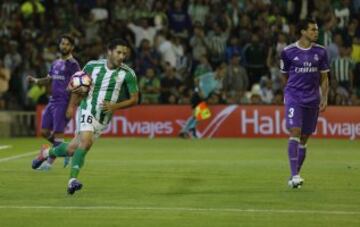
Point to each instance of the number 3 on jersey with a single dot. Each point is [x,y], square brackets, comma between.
[88,118]
[291,112]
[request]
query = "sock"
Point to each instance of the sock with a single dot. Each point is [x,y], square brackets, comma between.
[51,138]
[77,162]
[301,155]
[191,123]
[293,154]
[59,151]
[57,141]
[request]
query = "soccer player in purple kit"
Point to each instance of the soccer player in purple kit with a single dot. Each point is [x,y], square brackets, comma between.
[304,65]
[57,114]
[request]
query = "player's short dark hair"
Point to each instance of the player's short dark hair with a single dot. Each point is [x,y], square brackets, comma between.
[117,42]
[69,37]
[304,24]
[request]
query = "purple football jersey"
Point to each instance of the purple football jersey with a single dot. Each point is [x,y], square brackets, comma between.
[303,66]
[61,72]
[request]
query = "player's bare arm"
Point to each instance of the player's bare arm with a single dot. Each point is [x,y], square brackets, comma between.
[284,79]
[75,99]
[111,107]
[324,85]
[39,81]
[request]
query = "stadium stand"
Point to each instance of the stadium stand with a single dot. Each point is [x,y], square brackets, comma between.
[180,37]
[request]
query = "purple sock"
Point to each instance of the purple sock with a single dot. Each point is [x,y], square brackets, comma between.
[301,156]
[57,142]
[293,155]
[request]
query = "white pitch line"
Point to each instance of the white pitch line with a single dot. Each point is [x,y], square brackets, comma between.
[18,156]
[3,147]
[185,209]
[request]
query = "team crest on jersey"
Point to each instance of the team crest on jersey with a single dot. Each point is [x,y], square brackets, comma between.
[316,57]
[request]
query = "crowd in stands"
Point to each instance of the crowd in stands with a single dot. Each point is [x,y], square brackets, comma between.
[173,42]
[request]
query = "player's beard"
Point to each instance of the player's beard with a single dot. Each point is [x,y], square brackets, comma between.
[117,62]
[313,38]
[65,53]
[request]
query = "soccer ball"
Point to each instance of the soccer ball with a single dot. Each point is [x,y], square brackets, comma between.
[80,79]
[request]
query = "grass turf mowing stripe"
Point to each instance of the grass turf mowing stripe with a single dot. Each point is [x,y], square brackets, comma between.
[186,209]
[3,147]
[18,156]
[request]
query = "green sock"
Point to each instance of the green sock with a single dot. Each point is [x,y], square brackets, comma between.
[77,162]
[59,151]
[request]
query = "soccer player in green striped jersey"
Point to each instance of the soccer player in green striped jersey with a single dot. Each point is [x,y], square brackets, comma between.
[111,79]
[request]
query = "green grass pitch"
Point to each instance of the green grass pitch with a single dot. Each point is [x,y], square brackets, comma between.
[174,182]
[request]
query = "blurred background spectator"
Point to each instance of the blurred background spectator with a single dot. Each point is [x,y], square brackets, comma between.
[4,84]
[174,42]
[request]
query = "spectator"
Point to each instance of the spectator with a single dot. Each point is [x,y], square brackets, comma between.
[171,86]
[13,59]
[100,11]
[179,19]
[255,59]
[355,53]
[4,84]
[198,43]
[255,95]
[278,98]
[273,59]
[342,13]
[216,41]
[165,47]
[146,57]
[236,81]
[150,87]
[342,70]
[266,91]
[160,16]
[333,48]
[141,10]
[143,31]
[198,10]
[326,32]
[233,48]
[122,10]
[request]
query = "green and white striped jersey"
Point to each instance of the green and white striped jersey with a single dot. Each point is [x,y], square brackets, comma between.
[107,85]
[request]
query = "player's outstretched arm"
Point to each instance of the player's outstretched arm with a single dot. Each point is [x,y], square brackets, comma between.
[39,81]
[324,91]
[111,107]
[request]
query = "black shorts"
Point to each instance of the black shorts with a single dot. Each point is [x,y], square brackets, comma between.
[195,100]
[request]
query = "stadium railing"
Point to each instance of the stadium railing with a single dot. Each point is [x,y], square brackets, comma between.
[17,123]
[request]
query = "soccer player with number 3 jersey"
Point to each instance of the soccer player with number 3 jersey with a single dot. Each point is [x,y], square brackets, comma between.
[111,79]
[305,67]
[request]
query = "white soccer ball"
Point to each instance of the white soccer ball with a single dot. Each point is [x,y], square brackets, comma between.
[80,79]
